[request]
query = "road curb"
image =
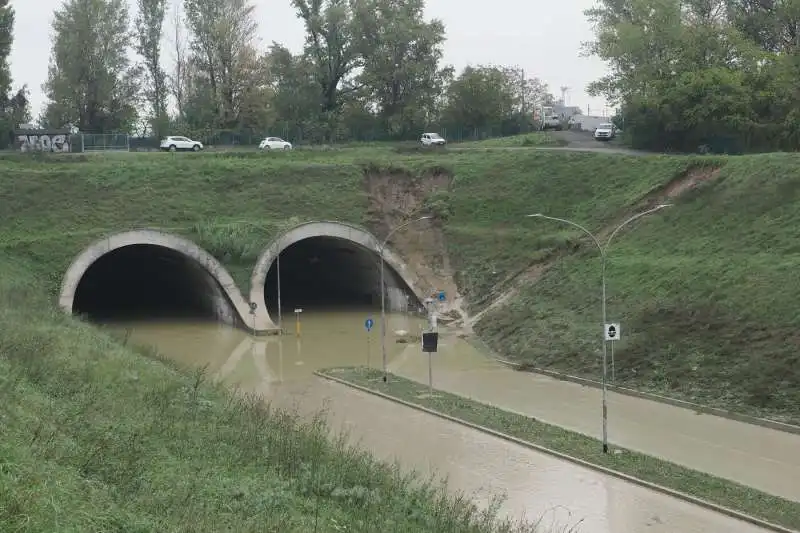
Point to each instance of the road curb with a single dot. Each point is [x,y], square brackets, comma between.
[580,462]
[715,411]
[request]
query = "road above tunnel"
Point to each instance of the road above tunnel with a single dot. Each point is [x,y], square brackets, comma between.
[758,457]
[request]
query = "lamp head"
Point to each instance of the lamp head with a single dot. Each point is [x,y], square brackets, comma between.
[535,215]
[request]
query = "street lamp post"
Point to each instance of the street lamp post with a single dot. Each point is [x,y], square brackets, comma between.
[278,272]
[603,254]
[383,292]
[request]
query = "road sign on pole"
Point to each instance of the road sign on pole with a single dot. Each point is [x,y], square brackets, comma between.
[441,296]
[368,324]
[612,332]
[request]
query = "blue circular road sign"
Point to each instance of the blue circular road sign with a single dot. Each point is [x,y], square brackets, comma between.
[369,323]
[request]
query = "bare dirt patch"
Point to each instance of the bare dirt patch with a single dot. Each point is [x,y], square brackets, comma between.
[395,197]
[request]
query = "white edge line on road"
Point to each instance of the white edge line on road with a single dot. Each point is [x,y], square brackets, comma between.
[641,482]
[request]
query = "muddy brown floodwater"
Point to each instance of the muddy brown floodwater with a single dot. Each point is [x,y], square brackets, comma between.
[535,486]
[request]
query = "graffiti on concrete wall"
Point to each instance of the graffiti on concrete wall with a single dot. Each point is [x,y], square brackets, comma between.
[43,140]
[58,142]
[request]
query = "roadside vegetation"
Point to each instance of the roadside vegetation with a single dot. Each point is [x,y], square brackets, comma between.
[722,492]
[99,436]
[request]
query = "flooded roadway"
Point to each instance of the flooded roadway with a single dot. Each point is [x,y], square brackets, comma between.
[536,486]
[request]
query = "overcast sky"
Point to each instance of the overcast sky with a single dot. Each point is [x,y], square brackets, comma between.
[541,36]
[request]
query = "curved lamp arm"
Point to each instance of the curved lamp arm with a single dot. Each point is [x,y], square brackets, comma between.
[575,224]
[634,217]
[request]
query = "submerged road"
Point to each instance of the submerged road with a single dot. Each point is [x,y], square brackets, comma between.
[766,459]
[537,487]
[482,466]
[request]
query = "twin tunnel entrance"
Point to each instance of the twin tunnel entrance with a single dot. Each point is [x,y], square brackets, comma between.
[146,275]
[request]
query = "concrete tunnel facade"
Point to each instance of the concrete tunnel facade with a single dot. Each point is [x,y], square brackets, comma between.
[397,275]
[222,295]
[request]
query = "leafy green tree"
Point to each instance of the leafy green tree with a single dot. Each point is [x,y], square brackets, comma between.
[773,25]
[149,34]
[6,40]
[223,34]
[334,51]
[718,74]
[14,108]
[492,100]
[296,94]
[90,82]
[401,72]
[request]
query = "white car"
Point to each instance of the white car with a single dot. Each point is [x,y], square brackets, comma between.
[175,143]
[432,139]
[274,143]
[605,132]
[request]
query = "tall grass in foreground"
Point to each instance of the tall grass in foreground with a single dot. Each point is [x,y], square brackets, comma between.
[99,437]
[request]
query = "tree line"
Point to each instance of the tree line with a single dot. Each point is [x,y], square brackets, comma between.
[687,75]
[14,107]
[369,68]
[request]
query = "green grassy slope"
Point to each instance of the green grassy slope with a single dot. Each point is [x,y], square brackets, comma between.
[231,204]
[99,437]
[704,290]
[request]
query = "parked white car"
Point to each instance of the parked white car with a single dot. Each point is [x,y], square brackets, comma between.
[274,143]
[432,139]
[175,143]
[605,132]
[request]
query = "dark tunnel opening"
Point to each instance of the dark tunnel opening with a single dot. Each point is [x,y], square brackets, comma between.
[145,282]
[328,273]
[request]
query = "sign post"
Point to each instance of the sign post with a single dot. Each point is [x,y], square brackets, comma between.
[297,322]
[253,307]
[612,334]
[430,343]
[368,326]
[430,339]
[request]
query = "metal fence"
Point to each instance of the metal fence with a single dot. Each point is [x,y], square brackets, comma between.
[105,142]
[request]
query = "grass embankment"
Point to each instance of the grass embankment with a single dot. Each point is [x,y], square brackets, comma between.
[230,204]
[706,487]
[704,290]
[99,437]
[540,139]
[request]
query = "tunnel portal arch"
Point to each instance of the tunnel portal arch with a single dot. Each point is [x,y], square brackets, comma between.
[232,306]
[397,272]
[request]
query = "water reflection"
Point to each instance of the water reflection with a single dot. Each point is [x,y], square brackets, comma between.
[262,364]
[537,486]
